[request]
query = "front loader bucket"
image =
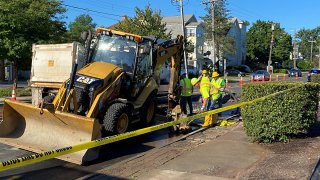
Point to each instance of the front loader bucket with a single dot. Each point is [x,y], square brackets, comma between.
[24,127]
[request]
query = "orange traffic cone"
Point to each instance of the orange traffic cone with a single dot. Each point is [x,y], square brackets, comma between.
[257,80]
[277,79]
[227,83]
[241,81]
[270,78]
[13,95]
[284,77]
[297,77]
[263,78]
[251,79]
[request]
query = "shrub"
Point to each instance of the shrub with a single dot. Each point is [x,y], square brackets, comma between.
[280,117]
[284,71]
[315,78]
[305,65]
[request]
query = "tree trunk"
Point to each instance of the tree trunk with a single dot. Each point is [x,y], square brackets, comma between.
[15,70]
[2,70]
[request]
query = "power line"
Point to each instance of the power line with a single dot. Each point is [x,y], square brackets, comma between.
[248,11]
[86,9]
[112,5]
[95,14]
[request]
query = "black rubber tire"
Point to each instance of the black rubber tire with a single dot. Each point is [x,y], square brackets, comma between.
[48,99]
[111,118]
[144,110]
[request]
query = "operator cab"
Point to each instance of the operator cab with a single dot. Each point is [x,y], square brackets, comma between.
[117,50]
[132,53]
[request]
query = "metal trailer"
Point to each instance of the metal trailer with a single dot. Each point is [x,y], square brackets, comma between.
[51,67]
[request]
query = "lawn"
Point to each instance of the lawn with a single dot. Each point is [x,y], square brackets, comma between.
[6,92]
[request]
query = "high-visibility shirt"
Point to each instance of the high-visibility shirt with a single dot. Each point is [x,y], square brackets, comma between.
[205,87]
[216,85]
[185,83]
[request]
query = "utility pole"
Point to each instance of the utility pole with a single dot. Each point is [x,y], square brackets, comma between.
[184,35]
[295,51]
[319,58]
[312,41]
[184,38]
[271,44]
[213,32]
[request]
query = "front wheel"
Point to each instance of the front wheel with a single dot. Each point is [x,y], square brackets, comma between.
[117,119]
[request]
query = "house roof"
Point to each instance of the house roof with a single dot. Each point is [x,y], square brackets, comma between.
[232,20]
[177,19]
[194,24]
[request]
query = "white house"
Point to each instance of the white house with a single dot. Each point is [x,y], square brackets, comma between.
[194,32]
[238,32]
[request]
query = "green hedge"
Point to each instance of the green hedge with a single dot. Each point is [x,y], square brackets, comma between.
[315,78]
[280,117]
[284,71]
[6,92]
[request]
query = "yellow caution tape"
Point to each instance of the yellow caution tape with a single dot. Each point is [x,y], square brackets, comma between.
[38,157]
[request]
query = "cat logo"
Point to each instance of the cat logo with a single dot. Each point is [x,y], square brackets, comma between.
[85,80]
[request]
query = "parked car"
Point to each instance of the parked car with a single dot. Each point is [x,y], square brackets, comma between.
[312,72]
[235,72]
[259,74]
[293,71]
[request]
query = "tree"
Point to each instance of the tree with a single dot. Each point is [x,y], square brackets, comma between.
[258,43]
[145,22]
[24,22]
[306,35]
[223,43]
[82,23]
[283,47]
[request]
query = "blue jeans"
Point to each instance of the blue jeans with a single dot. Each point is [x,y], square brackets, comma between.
[212,103]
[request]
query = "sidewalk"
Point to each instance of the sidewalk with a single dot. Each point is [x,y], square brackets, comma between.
[224,158]
[6,84]
[216,153]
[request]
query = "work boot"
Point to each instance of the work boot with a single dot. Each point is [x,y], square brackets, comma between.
[206,122]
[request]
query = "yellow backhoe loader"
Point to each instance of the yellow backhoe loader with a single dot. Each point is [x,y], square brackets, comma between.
[116,88]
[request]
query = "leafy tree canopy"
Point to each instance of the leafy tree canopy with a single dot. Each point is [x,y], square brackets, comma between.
[82,23]
[306,35]
[223,43]
[145,23]
[258,43]
[24,22]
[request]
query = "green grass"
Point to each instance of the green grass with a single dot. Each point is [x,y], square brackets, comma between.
[6,92]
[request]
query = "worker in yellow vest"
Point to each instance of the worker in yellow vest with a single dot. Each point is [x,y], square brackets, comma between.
[204,90]
[186,93]
[217,87]
[216,91]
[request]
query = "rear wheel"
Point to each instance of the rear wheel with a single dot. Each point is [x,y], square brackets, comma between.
[148,110]
[117,119]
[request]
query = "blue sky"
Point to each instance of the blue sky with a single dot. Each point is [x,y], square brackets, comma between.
[291,14]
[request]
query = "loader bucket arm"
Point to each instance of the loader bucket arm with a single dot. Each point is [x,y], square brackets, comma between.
[172,49]
[24,127]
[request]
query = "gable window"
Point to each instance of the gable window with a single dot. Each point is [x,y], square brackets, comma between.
[191,32]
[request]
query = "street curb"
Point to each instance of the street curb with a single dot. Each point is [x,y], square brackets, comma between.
[316,172]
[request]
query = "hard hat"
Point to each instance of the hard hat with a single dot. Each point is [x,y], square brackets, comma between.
[204,71]
[215,74]
[194,81]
